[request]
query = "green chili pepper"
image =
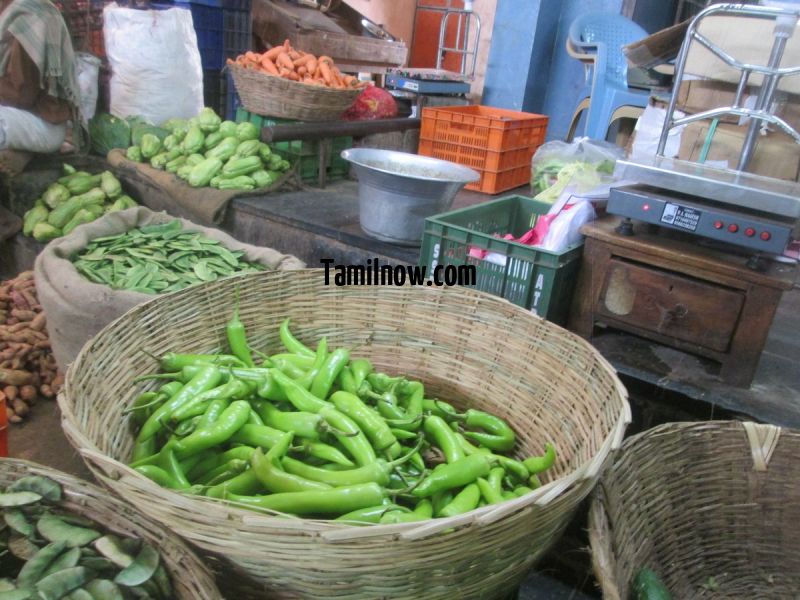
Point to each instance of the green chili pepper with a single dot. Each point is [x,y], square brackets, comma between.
[230,421]
[213,460]
[512,466]
[346,381]
[372,514]
[440,500]
[207,378]
[414,405]
[234,389]
[327,453]
[335,501]
[349,436]
[254,418]
[456,474]
[291,343]
[381,382]
[274,478]
[261,436]
[301,399]
[213,412]
[237,336]
[422,511]
[168,462]
[360,368]
[286,366]
[159,476]
[465,501]
[440,408]
[143,449]
[224,472]
[319,361]
[373,426]
[492,488]
[187,426]
[496,434]
[244,483]
[440,434]
[521,491]
[377,471]
[538,464]
[171,361]
[324,379]
[303,424]
[298,361]
[402,434]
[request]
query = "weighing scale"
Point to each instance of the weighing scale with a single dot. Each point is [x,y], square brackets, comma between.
[730,206]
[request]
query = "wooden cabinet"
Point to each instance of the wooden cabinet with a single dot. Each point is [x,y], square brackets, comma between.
[678,293]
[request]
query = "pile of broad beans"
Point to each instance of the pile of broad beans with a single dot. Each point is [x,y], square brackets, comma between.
[47,552]
[320,434]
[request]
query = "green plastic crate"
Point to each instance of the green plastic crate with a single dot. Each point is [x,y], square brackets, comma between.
[535,279]
[304,152]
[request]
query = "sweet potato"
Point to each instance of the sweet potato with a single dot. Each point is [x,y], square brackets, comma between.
[27,392]
[20,407]
[11,392]
[15,377]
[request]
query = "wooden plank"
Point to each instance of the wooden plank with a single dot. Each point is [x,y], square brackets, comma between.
[686,252]
[273,23]
[596,257]
[671,305]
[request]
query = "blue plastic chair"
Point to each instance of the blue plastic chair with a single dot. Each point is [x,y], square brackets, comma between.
[596,39]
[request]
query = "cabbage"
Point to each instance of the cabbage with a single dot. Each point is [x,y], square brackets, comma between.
[107,132]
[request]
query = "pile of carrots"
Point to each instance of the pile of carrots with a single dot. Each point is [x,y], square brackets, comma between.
[284,61]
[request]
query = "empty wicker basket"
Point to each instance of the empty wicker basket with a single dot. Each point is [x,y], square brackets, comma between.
[467,346]
[272,96]
[191,580]
[713,508]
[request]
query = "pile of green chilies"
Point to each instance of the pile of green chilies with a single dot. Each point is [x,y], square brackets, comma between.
[318,434]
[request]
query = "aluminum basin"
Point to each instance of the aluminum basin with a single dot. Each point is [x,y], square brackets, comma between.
[397,191]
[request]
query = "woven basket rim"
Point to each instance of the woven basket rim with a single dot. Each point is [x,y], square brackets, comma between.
[288,84]
[600,530]
[332,530]
[72,485]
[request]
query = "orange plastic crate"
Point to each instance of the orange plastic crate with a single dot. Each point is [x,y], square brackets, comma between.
[484,127]
[477,158]
[494,183]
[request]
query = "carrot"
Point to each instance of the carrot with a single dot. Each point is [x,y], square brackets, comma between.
[303,60]
[287,46]
[294,54]
[283,60]
[325,71]
[302,71]
[268,65]
[251,56]
[293,76]
[273,53]
[311,65]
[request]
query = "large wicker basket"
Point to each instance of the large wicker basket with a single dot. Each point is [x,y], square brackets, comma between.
[278,97]
[191,579]
[467,346]
[694,501]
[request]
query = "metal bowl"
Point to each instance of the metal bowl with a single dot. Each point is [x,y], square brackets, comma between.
[397,191]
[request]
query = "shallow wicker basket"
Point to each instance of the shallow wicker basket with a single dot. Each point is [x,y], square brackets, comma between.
[467,346]
[191,580]
[693,501]
[278,97]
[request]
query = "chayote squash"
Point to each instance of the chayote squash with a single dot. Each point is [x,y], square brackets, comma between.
[225,149]
[80,184]
[264,151]
[247,131]
[170,142]
[208,120]
[248,148]
[241,166]
[150,145]
[159,161]
[212,139]
[194,140]
[195,159]
[55,195]
[38,214]
[203,173]
[44,232]
[110,184]
[264,178]
[227,129]
[134,153]
[242,182]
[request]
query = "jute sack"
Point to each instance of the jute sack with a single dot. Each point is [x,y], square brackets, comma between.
[77,309]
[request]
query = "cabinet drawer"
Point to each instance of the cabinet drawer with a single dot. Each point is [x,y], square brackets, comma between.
[671,305]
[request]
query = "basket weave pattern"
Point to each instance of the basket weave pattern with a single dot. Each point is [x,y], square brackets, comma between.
[468,347]
[685,500]
[273,96]
[191,580]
